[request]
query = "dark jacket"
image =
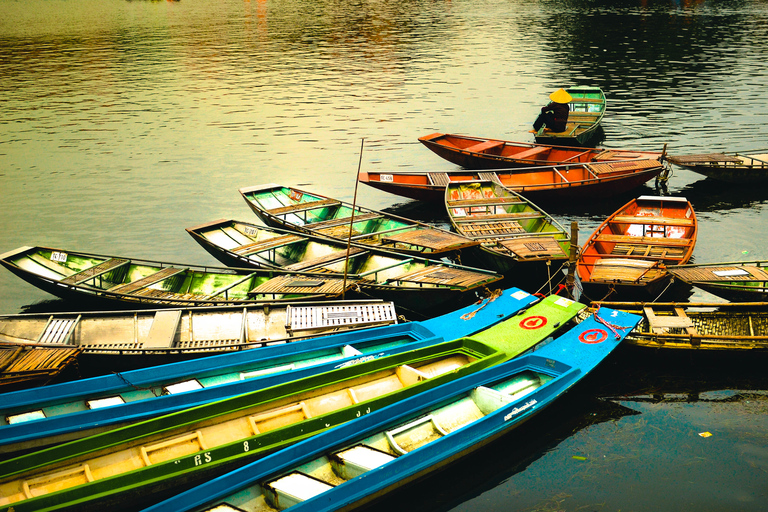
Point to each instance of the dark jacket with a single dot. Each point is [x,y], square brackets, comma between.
[554,115]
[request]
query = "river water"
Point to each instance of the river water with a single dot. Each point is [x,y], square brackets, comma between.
[123,122]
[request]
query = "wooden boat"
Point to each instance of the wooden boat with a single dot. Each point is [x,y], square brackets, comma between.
[708,326]
[298,210]
[26,366]
[413,283]
[35,418]
[743,168]
[149,459]
[564,182]
[480,153]
[737,281]
[586,112]
[630,250]
[511,230]
[353,464]
[120,340]
[118,280]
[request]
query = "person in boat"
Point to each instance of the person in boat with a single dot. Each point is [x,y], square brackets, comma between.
[554,115]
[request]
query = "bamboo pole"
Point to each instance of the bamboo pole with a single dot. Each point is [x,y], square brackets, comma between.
[352,219]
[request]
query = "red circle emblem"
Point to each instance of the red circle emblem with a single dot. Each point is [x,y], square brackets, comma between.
[533,322]
[593,336]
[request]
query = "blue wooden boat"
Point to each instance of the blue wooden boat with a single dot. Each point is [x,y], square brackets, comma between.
[363,459]
[150,459]
[35,418]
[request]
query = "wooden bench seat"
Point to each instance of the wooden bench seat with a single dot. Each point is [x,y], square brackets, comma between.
[484,201]
[484,146]
[665,221]
[165,273]
[300,207]
[263,245]
[95,271]
[325,260]
[648,251]
[475,217]
[531,153]
[491,229]
[642,240]
[330,223]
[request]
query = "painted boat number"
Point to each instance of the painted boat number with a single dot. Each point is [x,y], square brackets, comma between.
[533,322]
[386,177]
[59,256]
[593,336]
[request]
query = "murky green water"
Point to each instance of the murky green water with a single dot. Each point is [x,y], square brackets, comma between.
[122,123]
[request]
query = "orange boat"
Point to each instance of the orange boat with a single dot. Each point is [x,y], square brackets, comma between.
[629,252]
[591,181]
[479,153]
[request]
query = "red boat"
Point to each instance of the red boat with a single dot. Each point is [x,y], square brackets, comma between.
[591,181]
[479,153]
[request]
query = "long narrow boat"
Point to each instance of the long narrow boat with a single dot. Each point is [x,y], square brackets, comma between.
[112,341]
[411,282]
[742,168]
[146,283]
[22,365]
[150,459]
[512,230]
[628,253]
[35,418]
[480,153]
[578,181]
[299,210]
[356,463]
[587,108]
[699,326]
[737,281]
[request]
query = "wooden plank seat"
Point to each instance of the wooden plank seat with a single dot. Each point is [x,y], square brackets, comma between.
[491,229]
[484,146]
[440,275]
[534,247]
[299,284]
[489,176]
[438,179]
[532,152]
[263,245]
[134,286]
[475,217]
[483,201]
[429,238]
[300,207]
[95,271]
[643,240]
[331,223]
[611,270]
[622,166]
[665,221]
[648,251]
[325,260]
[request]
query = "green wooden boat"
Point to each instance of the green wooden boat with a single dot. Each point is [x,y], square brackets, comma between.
[150,460]
[742,168]
[413,283]
[119,280]
[512,230]
[586,112]
[737,281]
[299,210]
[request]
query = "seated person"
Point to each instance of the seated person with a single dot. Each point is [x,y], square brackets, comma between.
[555,115]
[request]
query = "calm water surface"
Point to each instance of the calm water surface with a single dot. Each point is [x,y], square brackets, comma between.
[124,122]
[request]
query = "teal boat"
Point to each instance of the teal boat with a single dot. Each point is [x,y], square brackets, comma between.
[308,212]
[119,281]
[147,461]
[415,284]
[587,108]
[513,232]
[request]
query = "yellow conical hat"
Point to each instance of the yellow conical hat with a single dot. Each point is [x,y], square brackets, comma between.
[560,96]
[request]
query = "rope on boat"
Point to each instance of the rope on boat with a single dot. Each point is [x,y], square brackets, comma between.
[492,295]
[134,386]
[613,327]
